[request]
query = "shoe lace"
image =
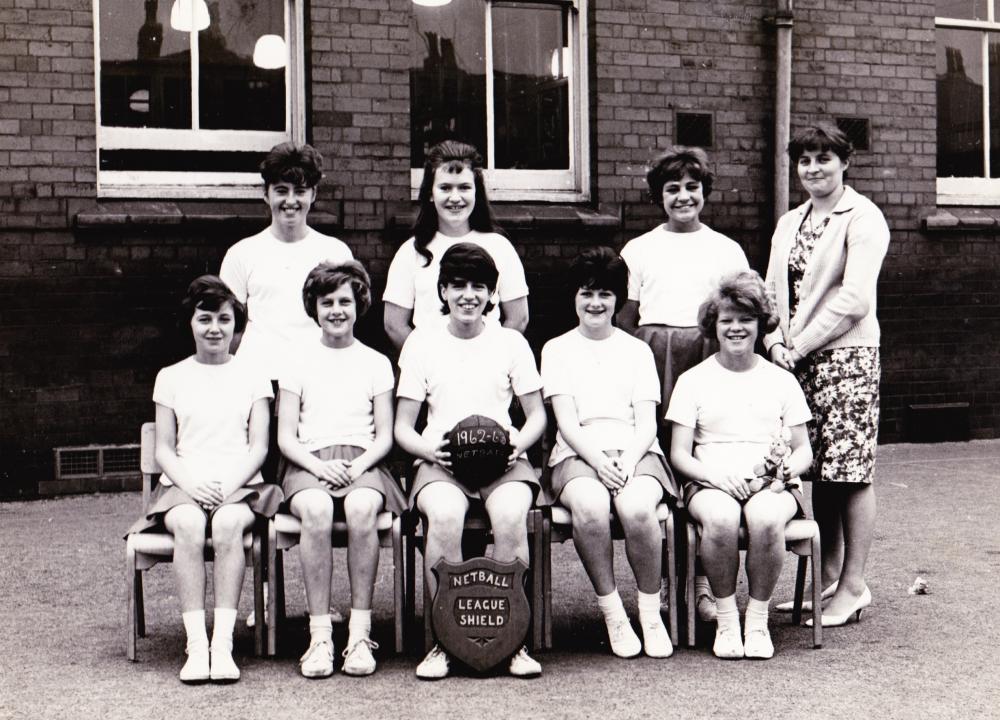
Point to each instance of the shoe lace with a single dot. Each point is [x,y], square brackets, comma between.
[313,648]
[372,645]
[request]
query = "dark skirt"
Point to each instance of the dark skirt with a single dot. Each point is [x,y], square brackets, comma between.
[377,478]
[573,467]
[692,488]
[262,498]
[427,473]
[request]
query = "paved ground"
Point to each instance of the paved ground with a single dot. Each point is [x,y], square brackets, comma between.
[62,654]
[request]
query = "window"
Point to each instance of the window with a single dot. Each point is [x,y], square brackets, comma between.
[192,93]
[509,78]
[968,101]
[693,129]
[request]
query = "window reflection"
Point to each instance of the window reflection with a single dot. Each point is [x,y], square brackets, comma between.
[959,103]
[994,57]
[962,9]
[531,86]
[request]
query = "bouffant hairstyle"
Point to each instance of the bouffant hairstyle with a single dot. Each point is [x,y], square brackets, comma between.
[326,278]
[746,291]
[673,164]
[455,157]
[599,268]
[208,292]
[466,262]
[819,138]
[300,165]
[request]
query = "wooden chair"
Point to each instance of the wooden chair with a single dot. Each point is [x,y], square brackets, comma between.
[802,539]
[144,550]
[284,532]
[558,527]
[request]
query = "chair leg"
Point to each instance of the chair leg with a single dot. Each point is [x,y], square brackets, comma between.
[133,582]
[537,583]
[800,586]
[259,630]
[279,591]
[690,609]
[817,581]
[670,560]
[271,613]
[428,601]
[399,612]
[547,580]
[140,606]
[410,576]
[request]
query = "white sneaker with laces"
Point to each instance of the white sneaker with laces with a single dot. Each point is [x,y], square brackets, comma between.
[728,645]
[317,662]
[522,665]
[224,669]
[757,643]
[358,658]
[435,665]
[624,642]
[196,669]
[656,639]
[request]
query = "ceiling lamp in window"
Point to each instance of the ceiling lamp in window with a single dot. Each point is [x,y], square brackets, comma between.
[189,15]
[270,52]
[431,3]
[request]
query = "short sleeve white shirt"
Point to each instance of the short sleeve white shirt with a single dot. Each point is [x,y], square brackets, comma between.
[671,274]
[268,274]
[212,406]
[336,388]
[411,284]
[735,415]
[605,378]
[460,377]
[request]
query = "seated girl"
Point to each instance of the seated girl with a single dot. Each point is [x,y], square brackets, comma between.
[726,412]
[335,427]
[463,368]
[604,390]
[211,440]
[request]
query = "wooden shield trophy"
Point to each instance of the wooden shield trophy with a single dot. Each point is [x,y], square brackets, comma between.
[480,611]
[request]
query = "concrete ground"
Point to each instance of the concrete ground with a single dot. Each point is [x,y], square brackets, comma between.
[62,646]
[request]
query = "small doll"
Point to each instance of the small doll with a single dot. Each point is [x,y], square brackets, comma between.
[773,471]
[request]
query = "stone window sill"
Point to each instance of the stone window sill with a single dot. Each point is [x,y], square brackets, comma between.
[963,219]
[111,213]
[522,216]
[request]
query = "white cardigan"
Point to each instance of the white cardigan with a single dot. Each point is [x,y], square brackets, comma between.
[837,295]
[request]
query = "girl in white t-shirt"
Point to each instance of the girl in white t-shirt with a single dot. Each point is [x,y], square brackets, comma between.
[604,390]
[468,368]
[335,428]
[725,412]
[453,208]
[211,439]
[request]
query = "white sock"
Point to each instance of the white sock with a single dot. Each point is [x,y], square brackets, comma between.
[320,628]
[194,628]
[728,613]
[222,628]
[613,608]
[649,607]
[756,614]
[359,625]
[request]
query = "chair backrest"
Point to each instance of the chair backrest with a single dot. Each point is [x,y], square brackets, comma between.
[147,460]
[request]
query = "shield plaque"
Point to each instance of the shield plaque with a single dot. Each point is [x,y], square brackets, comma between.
[480,612]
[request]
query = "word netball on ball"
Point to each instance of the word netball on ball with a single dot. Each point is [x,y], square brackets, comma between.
[479,448]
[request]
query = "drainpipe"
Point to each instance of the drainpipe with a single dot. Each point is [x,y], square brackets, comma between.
[784,19]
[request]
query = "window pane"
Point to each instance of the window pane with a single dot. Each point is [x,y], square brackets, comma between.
[145,66]
[531,86]
[447,76]
[962,9]
[960,103]
[234,93]
[994,55]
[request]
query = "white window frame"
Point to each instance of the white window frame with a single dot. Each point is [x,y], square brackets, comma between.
[570,185]
[190,184]
[977,190]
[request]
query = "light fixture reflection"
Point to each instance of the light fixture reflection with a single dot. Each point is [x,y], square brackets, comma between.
[431,3]
[270,52]
[189,15]
[559,65]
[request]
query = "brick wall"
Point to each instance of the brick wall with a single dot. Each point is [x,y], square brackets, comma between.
[86,315]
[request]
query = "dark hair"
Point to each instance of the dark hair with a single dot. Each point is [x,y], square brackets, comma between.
[673,165]
[208,292]
[599,268]
[300,165]
[819,138]
[326,278]
[454,156]
[746,291]
[468,262]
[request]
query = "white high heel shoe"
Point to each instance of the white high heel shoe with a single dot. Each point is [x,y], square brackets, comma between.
[837,620]
[807,606]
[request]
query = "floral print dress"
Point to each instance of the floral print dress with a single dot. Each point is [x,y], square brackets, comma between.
[841,387]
